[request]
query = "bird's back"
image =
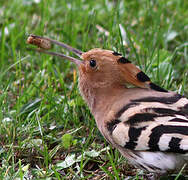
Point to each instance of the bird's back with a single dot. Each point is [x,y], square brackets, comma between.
[149,128]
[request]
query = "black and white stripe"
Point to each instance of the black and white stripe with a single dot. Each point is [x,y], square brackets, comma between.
[165,100]
[134,134]
[152,124]
[126,107]
[160,130]
[112,125]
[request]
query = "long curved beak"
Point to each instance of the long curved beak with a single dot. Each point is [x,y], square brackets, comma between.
[44,44]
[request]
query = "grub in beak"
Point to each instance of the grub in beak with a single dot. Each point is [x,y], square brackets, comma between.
[44,44]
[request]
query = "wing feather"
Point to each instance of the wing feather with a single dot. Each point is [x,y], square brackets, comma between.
[147,125]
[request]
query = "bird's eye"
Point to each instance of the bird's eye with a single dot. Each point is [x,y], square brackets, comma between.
[92,63]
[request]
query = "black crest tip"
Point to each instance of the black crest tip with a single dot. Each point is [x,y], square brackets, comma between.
[123,60]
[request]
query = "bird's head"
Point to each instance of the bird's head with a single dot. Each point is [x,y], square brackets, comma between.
[101,68]
[105,68]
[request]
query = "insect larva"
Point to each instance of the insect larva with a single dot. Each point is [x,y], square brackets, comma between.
[40,42]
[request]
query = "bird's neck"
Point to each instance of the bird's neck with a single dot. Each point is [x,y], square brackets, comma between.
[100,100]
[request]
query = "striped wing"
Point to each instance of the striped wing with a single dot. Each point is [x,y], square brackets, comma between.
[152,124]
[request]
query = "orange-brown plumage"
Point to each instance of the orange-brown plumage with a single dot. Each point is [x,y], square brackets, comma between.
[147,124]
[109,67]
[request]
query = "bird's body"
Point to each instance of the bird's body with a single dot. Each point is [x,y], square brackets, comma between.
[128,124]
[147,124]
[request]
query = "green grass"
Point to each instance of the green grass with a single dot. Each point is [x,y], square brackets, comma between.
[43,119]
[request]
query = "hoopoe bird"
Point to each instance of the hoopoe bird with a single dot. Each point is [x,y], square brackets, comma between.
[147,124]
